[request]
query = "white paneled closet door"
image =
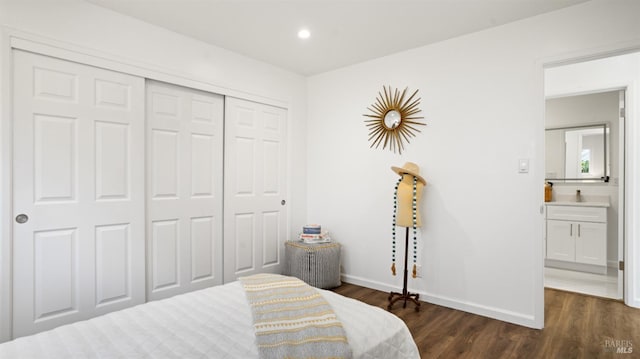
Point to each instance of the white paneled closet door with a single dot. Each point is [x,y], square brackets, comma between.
[78,165]
[184,189]
[255,188]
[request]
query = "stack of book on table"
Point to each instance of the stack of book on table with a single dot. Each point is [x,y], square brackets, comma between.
[312,233]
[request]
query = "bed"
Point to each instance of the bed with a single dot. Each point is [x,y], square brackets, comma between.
[215,322]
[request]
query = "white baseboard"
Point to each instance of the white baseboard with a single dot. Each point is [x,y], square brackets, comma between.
[581,267]
[465,306]
[363,282]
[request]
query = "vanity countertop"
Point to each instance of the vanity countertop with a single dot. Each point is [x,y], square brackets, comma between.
[578,204]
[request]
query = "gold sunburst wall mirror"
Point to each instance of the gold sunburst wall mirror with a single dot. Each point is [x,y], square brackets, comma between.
[393,119]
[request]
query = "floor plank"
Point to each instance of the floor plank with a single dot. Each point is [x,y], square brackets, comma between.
[576,326]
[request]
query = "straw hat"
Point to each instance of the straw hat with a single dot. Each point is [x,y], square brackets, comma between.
[409,168]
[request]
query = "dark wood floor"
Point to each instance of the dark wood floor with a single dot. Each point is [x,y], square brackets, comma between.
[576,326]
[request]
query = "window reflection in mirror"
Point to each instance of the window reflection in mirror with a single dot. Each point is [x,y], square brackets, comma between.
[577,153]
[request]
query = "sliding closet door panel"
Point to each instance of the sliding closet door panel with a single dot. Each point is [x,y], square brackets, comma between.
[255,188]
[184,205]
[79,182]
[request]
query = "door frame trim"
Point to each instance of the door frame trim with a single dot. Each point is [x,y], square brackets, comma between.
[631,171]
[6,195]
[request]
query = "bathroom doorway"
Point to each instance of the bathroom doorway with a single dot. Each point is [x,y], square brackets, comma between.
[584,225]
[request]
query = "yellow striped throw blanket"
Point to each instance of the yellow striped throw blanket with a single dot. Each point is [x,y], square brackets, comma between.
[292,319]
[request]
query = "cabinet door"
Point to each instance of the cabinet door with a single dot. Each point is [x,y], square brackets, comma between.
[591,243]
[561,240]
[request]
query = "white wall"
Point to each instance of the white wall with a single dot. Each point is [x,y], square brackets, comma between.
[483,101]
[148,50]
[614,72]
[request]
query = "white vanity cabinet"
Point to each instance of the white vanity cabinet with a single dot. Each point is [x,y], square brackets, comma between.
[577,236]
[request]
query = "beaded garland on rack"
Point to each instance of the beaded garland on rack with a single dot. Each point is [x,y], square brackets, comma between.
[414,218]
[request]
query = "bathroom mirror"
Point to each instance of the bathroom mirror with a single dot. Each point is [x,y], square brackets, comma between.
[392,119]
[578,153]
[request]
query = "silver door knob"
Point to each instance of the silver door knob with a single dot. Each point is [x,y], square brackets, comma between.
[22,218]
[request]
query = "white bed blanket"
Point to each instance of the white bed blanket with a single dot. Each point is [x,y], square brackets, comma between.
[211,323]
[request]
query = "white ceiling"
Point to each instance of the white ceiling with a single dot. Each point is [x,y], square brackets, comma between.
[342,32]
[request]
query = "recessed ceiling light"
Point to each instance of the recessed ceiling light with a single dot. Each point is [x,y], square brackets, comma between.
[304,34]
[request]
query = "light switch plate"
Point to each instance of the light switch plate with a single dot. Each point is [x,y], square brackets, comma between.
[523,165]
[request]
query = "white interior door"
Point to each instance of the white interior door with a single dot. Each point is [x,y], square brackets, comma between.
[255,188]
[184,189]
[79,191]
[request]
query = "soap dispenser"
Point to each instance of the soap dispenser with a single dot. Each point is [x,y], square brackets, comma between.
[548,187]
